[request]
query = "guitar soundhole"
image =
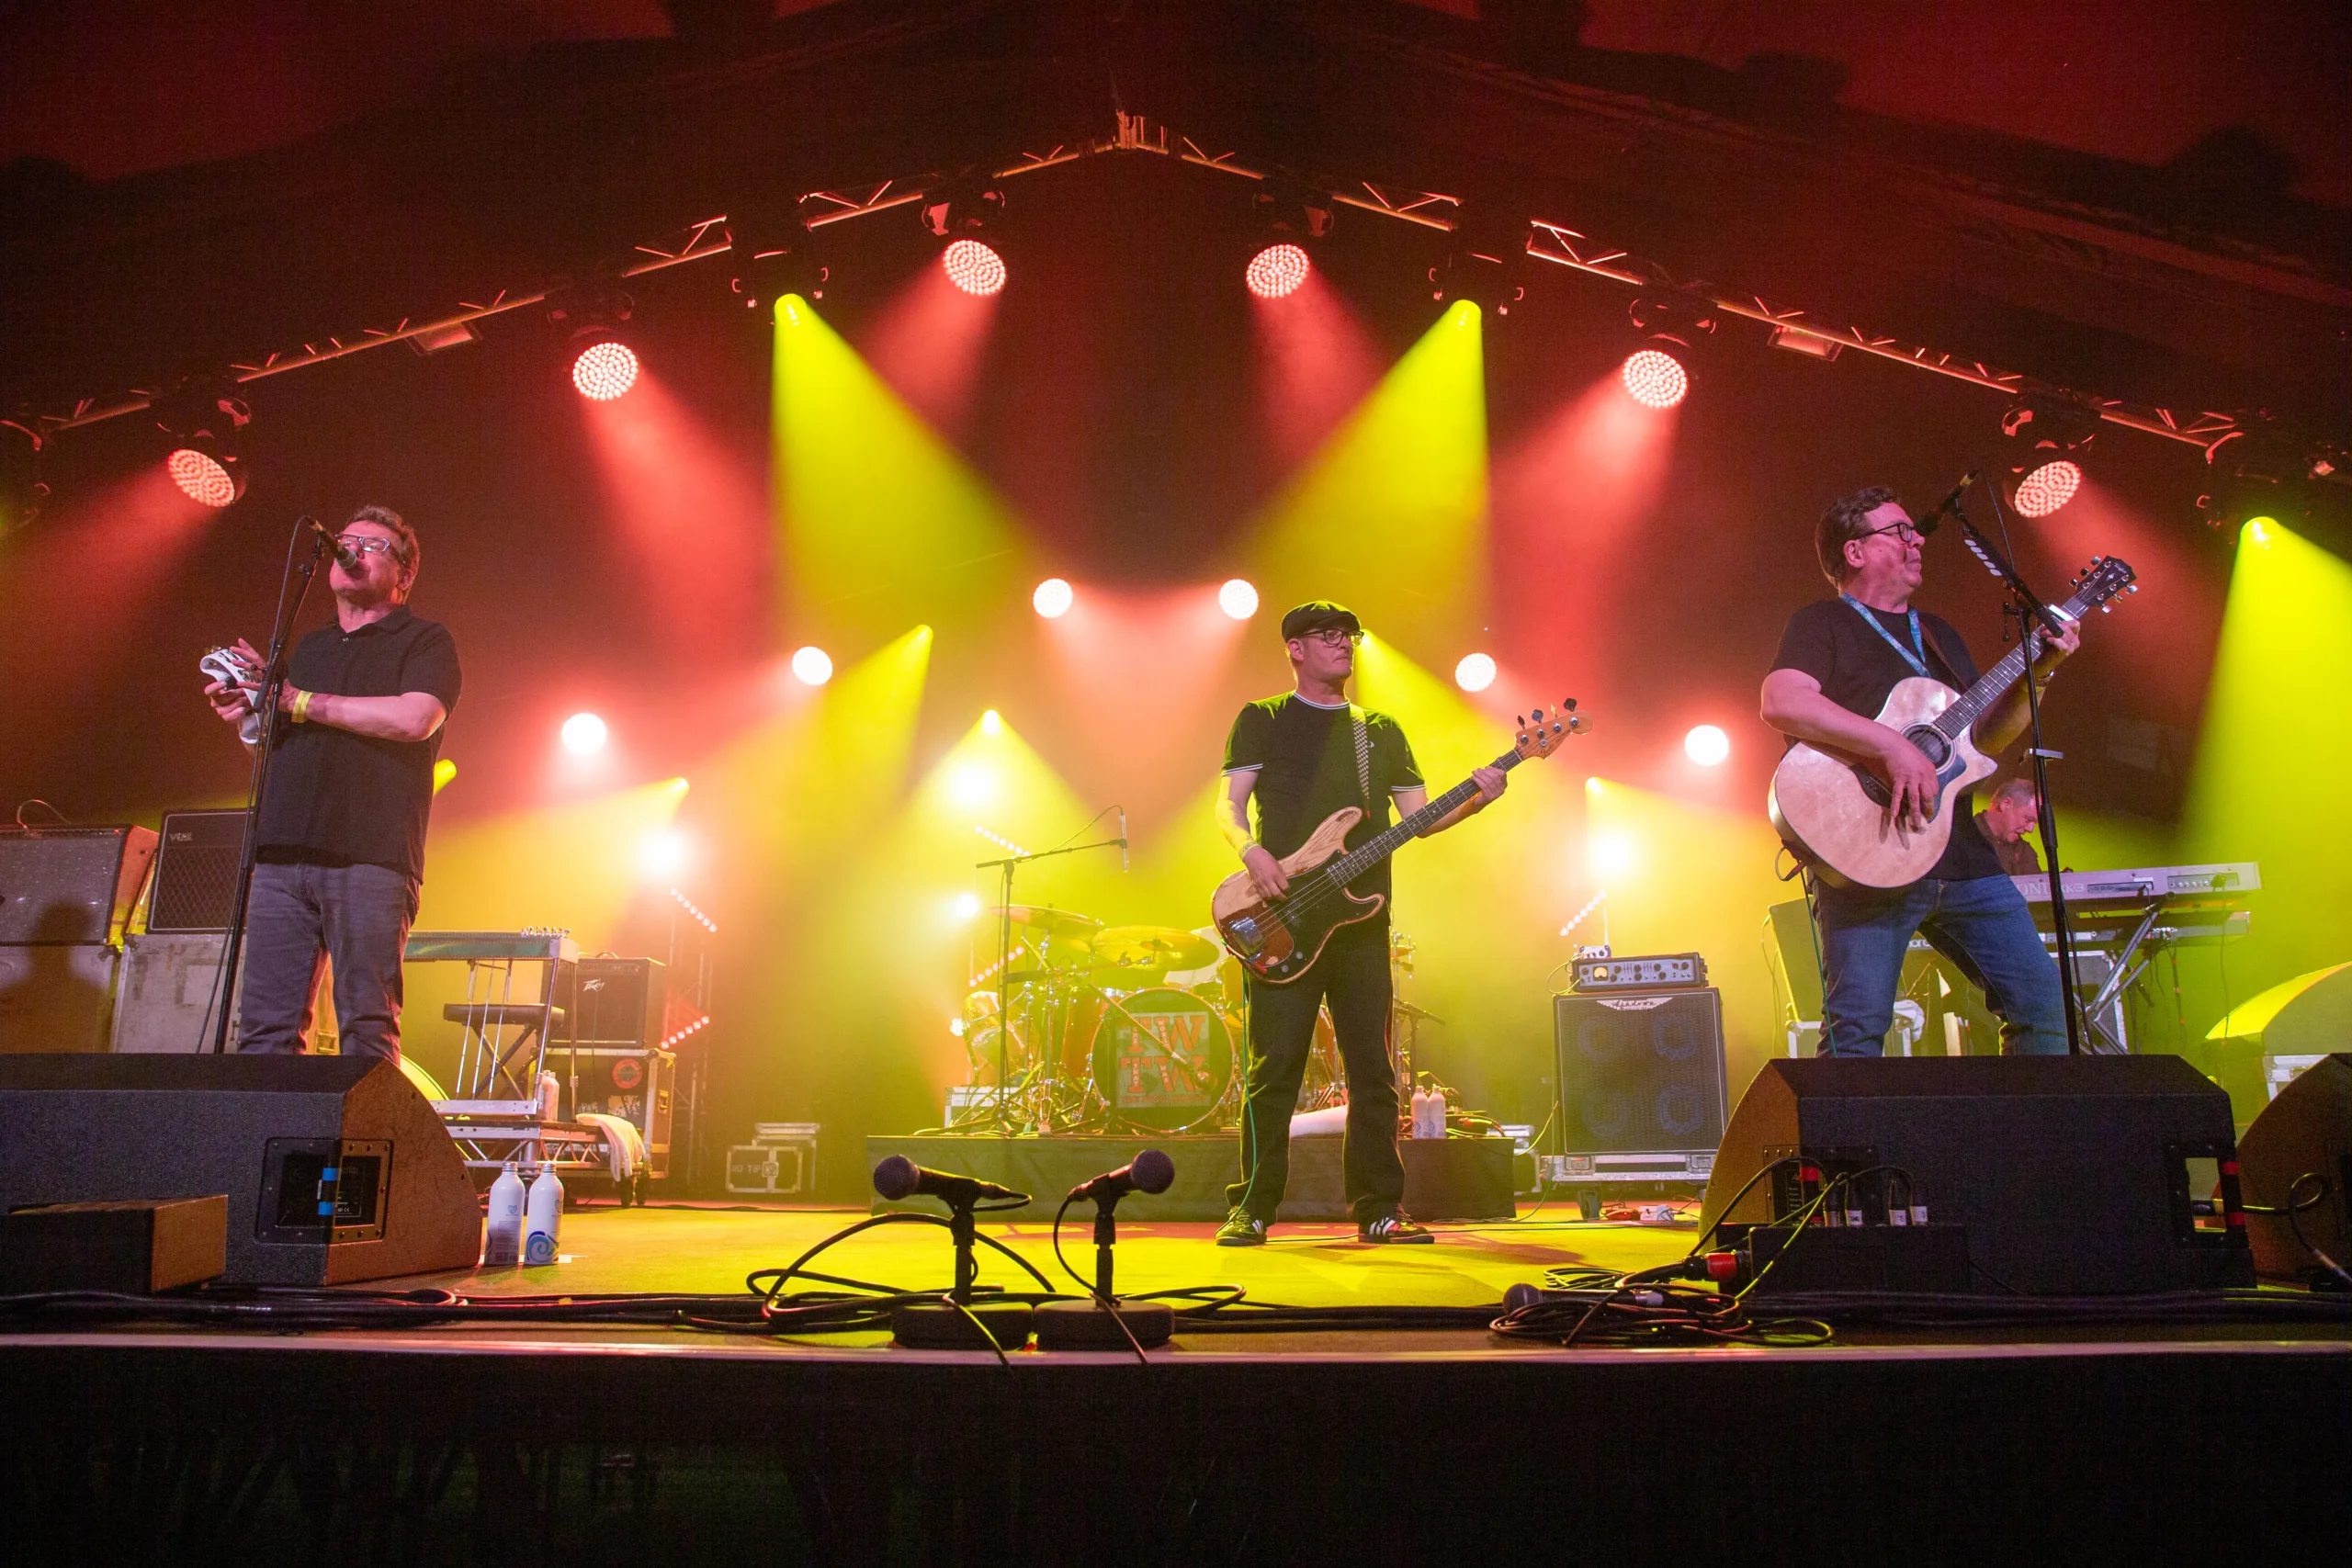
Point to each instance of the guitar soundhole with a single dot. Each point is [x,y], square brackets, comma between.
[1931,743]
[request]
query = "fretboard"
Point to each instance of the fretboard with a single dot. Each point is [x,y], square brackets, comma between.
[1994,684]
[1372,852]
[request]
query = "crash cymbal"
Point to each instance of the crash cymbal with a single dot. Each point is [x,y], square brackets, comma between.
[1061,924]
[1153,947]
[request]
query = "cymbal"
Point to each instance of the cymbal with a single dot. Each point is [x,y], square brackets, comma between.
[1059,923]
[1153,947]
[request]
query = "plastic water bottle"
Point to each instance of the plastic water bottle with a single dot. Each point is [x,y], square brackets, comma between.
[503,1244]
[541,1217]
[550,1096]
[1421,1112]
[1437,1113]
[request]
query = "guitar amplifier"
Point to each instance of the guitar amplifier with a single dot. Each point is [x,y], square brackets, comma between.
[196,870]
[69,886]
[1641,1086]
[619,1001]
[1657,973]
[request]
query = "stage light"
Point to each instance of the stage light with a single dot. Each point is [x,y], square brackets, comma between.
[666,856]
[584,734]
[974,267]
[2048,487]
[970,783]
[964,906]
[1276,272]
[991,723]
[812,666]
[1474,673]
[1053,599]
[603,368]
[204,418]
[1706,745]
[1655,378]
[774,253]
[1238,598]
[1610,857]
[2257,530]
[1488,265]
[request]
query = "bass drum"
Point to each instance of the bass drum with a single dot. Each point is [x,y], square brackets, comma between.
[1162,1059]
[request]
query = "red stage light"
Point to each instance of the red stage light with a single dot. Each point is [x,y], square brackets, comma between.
[2049,487]
[1655,378]
[603,370]
[973,267]
[202,479]
[1277,271]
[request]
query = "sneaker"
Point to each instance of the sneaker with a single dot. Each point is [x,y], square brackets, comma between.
[1392,1229]
[1241,1228]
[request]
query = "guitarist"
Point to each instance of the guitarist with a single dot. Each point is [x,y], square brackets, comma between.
[1302,757]
[1838,660]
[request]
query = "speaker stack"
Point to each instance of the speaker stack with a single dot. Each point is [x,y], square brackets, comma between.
[1640,1078]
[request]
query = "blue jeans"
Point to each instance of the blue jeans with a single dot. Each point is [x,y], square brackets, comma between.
[1980,924]
[298,914]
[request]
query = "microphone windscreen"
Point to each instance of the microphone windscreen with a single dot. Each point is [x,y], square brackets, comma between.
[897,1177]
[1520,1295]
[1153,1172]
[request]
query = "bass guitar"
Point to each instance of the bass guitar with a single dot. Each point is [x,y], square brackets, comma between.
[1277,939]
[1834,812]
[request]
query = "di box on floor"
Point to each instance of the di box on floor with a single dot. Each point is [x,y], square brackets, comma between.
[333,1168]
[2072,1175]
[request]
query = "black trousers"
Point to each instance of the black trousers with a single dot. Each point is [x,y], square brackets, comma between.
[1352,974]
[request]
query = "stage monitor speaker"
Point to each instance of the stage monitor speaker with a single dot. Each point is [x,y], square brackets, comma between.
[2073,1175]
[335,1169]
[196,870]
[2307,1130]
[70,887]
[1641,1084]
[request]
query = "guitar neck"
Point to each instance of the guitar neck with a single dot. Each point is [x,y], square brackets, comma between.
[1994,684]
[1371,852]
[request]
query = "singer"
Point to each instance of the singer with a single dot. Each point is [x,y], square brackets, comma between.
[342,827]
[1838,660]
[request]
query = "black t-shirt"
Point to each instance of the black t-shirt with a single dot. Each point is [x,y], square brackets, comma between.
[347,800]
[1304,757]
[1857,668]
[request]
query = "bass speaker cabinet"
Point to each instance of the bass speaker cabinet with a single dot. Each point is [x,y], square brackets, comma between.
[2306,1131]
[1641,1085]
[2072,1175]
[196,870]
[70,887]
[335,1169]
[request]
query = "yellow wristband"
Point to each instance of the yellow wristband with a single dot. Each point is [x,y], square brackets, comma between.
[302,707]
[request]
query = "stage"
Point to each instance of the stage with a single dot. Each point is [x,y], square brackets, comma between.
[1341,1440]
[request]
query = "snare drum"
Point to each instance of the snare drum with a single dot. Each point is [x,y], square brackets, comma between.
[1163,1058]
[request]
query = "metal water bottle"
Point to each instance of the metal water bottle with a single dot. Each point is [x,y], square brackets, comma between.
[542,1214]
[503,1242]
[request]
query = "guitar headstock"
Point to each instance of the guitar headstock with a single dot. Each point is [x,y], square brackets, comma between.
[1541,733]
[2101,580]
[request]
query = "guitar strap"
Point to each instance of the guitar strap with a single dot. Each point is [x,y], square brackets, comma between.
[1364,755]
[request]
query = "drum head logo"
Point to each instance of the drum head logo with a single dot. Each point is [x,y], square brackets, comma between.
[1163,1059]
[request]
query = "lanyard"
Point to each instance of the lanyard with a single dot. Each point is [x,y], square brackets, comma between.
[1918,660]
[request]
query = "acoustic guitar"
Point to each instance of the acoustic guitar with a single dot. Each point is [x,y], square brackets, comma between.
[1834,812]
[1277,939]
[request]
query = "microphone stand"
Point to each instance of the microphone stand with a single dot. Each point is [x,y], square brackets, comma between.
[2032,615]
[1008,865]
[289,607]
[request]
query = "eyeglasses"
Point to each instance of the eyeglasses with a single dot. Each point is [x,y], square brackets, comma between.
[1332,637]
[1905,533]
[369,544]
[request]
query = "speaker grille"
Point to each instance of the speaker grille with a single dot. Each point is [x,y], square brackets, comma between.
[1640,1073]
[196,870]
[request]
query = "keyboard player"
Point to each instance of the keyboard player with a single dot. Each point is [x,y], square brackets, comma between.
[2006,818]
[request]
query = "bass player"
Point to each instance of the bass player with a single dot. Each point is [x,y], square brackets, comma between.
[1301,757]
[1838,660]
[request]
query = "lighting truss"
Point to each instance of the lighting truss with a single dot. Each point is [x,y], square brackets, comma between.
[1548,240]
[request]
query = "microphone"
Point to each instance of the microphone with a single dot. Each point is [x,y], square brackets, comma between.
[1150,1172]
[345,556]
[899,1177]
[1925,522]
[1122,866]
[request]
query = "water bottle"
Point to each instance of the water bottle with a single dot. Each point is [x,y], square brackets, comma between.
[541,1216]
[1437,1113]
[1421,1113]
[551,1095]
[502,1246]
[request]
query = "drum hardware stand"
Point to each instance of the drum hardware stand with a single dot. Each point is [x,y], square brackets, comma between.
[264,751]
[1008,865]
[2030,614]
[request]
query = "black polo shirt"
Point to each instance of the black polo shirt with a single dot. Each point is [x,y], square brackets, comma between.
[339,799]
